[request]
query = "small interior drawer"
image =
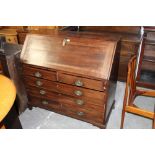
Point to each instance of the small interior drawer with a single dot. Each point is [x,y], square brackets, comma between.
[81,82]
[39,73]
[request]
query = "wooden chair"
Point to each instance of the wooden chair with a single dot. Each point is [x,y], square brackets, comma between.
[154,119]
[131,92]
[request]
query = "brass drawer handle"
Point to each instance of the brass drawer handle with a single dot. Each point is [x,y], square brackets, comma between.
[39,83]
[78,92]
[80,113]
[79,102]
[37,74]
[78,83]
[42,92]
[44,102]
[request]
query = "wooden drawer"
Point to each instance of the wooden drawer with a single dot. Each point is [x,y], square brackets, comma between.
[64,88]
[70,102]
[81,92]
[11,39]
[83,114]
[40,83]
[81,82]
[39,73]
[74,103]
[44,102]
[42,93]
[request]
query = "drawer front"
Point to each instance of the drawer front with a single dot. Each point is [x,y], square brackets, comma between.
[82,114]
[40,83]
[42,93]
[11,39]
[43,102]
[69,102]
[80,92]
[64,89]
[74,103]
[39,73]
[81,82]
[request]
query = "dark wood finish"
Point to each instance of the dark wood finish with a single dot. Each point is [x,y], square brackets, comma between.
[81,60]
[85,82]
[121,29]
[130,41]
[131,92]
[78,74]
[37,72]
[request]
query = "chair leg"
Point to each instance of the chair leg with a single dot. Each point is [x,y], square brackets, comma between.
[153,125]
[122,118]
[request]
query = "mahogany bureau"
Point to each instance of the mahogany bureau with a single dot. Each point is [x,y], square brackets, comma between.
[72,74]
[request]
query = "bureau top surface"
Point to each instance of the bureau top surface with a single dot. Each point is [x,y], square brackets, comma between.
[80,55]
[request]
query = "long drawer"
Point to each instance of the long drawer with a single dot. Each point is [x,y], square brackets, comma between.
[70,90]
[44,103]
[67,101]
[88,115]
[83,114]
[81,92]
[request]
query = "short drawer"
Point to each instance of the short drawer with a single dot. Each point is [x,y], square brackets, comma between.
[39,73]
[43,102]
[80,92]
[82,82]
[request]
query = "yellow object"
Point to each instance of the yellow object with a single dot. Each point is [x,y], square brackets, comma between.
[7,96]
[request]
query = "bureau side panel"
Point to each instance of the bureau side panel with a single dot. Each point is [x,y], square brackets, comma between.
[112,82]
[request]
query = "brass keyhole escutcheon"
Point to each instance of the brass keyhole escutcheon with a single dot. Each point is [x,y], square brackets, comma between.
[65,41]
